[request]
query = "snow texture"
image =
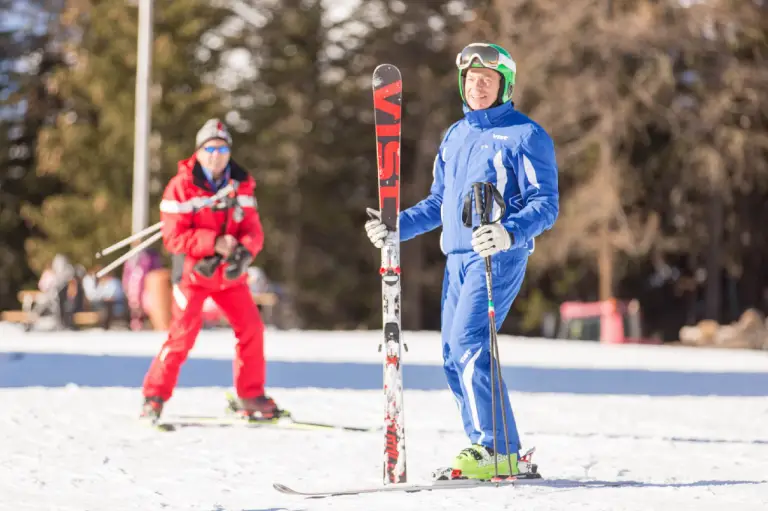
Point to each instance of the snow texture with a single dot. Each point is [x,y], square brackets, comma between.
[676,428]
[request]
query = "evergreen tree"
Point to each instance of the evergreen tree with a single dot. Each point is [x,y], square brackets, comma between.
[293,144]
[312,143]
[653,107]
[27,58]
[90,145]
[422,39]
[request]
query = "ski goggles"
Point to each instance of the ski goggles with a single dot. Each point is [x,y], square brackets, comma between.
[221,149]
[487,55]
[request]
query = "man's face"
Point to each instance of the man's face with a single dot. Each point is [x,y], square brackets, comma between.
[481,87]
[214,156]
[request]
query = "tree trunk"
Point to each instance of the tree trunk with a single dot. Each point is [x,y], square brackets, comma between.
[297,153]
[292,242]
[605,251]
[605,264]
[420,175]
[713,296]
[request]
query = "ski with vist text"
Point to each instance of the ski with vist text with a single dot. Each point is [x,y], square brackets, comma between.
[387,87]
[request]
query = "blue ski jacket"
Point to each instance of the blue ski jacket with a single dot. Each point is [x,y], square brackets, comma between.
[498,145]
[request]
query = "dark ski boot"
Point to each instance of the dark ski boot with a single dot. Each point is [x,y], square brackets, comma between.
[261,408]
[152,408]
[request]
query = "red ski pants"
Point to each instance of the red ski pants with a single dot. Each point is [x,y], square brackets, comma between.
[238,306]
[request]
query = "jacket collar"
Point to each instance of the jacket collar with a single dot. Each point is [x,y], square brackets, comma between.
[489,117]
[192,166]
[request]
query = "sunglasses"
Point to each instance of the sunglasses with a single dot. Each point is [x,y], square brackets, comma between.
[222,149]
[487,55]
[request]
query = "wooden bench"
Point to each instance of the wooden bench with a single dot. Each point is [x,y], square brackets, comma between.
[91,318]
[85,318]
[28,296]
[268,299]
[14,316]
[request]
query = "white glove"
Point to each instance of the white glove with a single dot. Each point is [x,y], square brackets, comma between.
[490,239]
[376,230]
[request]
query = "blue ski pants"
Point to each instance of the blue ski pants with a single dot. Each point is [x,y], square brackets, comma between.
[466,340]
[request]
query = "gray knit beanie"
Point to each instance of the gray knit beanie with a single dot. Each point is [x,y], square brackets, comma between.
[212,129]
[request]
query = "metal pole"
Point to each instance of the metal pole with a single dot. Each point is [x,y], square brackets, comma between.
[140,216]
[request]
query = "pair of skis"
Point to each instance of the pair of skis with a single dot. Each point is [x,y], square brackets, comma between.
[285,422]
[233,419]
[458,484]
[450,484]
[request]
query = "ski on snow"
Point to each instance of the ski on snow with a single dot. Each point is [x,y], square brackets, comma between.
[450,484]
[232,419]
[442,479]
[174,423]
[387,85]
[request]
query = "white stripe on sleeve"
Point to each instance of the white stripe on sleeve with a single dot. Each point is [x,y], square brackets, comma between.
[530,172]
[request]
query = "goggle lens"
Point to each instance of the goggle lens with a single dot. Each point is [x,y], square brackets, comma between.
[488,56]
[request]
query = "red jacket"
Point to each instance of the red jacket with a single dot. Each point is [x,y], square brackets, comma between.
[190,232]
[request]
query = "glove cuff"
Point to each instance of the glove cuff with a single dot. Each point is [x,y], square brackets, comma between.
[510,239]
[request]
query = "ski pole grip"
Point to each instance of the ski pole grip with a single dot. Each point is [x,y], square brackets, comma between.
[484,195]
[484,206]
[476,195]
[480,202]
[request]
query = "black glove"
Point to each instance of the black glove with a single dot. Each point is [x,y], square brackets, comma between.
[207,265]
[237,263]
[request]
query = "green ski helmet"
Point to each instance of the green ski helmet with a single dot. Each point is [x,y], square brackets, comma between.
[493,57]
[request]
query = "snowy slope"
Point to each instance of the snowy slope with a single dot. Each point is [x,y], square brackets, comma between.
[69,439]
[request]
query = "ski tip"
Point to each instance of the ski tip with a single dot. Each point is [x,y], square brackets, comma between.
[385,74]
[283,489]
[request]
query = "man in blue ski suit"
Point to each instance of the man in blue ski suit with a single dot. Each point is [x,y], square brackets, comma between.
[492,143]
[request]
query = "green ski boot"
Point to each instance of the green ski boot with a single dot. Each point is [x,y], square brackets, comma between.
[477,462]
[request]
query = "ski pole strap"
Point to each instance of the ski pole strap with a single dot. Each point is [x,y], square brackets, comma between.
[484,194]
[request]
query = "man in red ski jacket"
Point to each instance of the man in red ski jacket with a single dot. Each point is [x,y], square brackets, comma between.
[212,247]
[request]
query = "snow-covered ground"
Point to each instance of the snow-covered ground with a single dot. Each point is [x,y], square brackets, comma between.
[677,428]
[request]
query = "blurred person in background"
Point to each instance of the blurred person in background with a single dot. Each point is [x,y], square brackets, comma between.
[258,281]
[492,143]
[60,293]
[212,248]
[135,272]
[105,295]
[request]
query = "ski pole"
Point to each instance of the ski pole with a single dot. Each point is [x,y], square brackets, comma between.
[485,194]
[207,202]
[123,258]
[214,199]
[130,239]
[490,192]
